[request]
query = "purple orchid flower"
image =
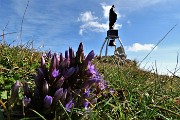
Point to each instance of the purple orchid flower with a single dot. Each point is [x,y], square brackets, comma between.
[91,70]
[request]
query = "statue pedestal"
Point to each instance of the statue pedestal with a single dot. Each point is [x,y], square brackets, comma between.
[112,33]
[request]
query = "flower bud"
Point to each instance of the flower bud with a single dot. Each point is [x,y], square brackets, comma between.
[69,72]
[14,93]
[53,62]
[64,95]
[40,73]
[71,56]
[48,101]
[69,105]
[66,54]
[45,87]
[59,83]
[61,58]
[38,82]
[58,94]
[43,63]
[80,54]
[26,89]
[90,56]
[49,55]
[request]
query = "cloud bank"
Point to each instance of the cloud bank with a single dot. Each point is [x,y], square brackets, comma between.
[136,47]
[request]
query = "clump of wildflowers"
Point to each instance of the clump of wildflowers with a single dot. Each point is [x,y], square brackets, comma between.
[73,80]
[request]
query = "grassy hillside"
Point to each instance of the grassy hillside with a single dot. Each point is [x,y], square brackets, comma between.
[137,94]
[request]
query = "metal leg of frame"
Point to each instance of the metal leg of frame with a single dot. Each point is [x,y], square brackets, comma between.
[102,47]
[107,46]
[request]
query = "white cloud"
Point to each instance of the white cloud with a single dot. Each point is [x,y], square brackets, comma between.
[106,9]
[93,23]
[87,16]
[140,47]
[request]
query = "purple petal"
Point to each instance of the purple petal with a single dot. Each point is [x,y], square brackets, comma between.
[86,93]
[69,105]
[85,105]
[26,101]
[47,101]
[91,70]
[55,73]
[102,85]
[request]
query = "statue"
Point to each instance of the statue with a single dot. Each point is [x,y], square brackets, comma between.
[112,17]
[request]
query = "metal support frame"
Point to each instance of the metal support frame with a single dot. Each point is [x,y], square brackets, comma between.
[106,41]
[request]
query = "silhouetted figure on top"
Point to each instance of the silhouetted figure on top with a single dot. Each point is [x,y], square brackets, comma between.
[112,17]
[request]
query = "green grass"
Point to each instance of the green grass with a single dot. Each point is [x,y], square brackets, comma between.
[139,94]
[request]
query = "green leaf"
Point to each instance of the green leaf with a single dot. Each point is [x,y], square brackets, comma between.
[4,95]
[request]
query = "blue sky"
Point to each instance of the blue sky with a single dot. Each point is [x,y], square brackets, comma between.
[57,25]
